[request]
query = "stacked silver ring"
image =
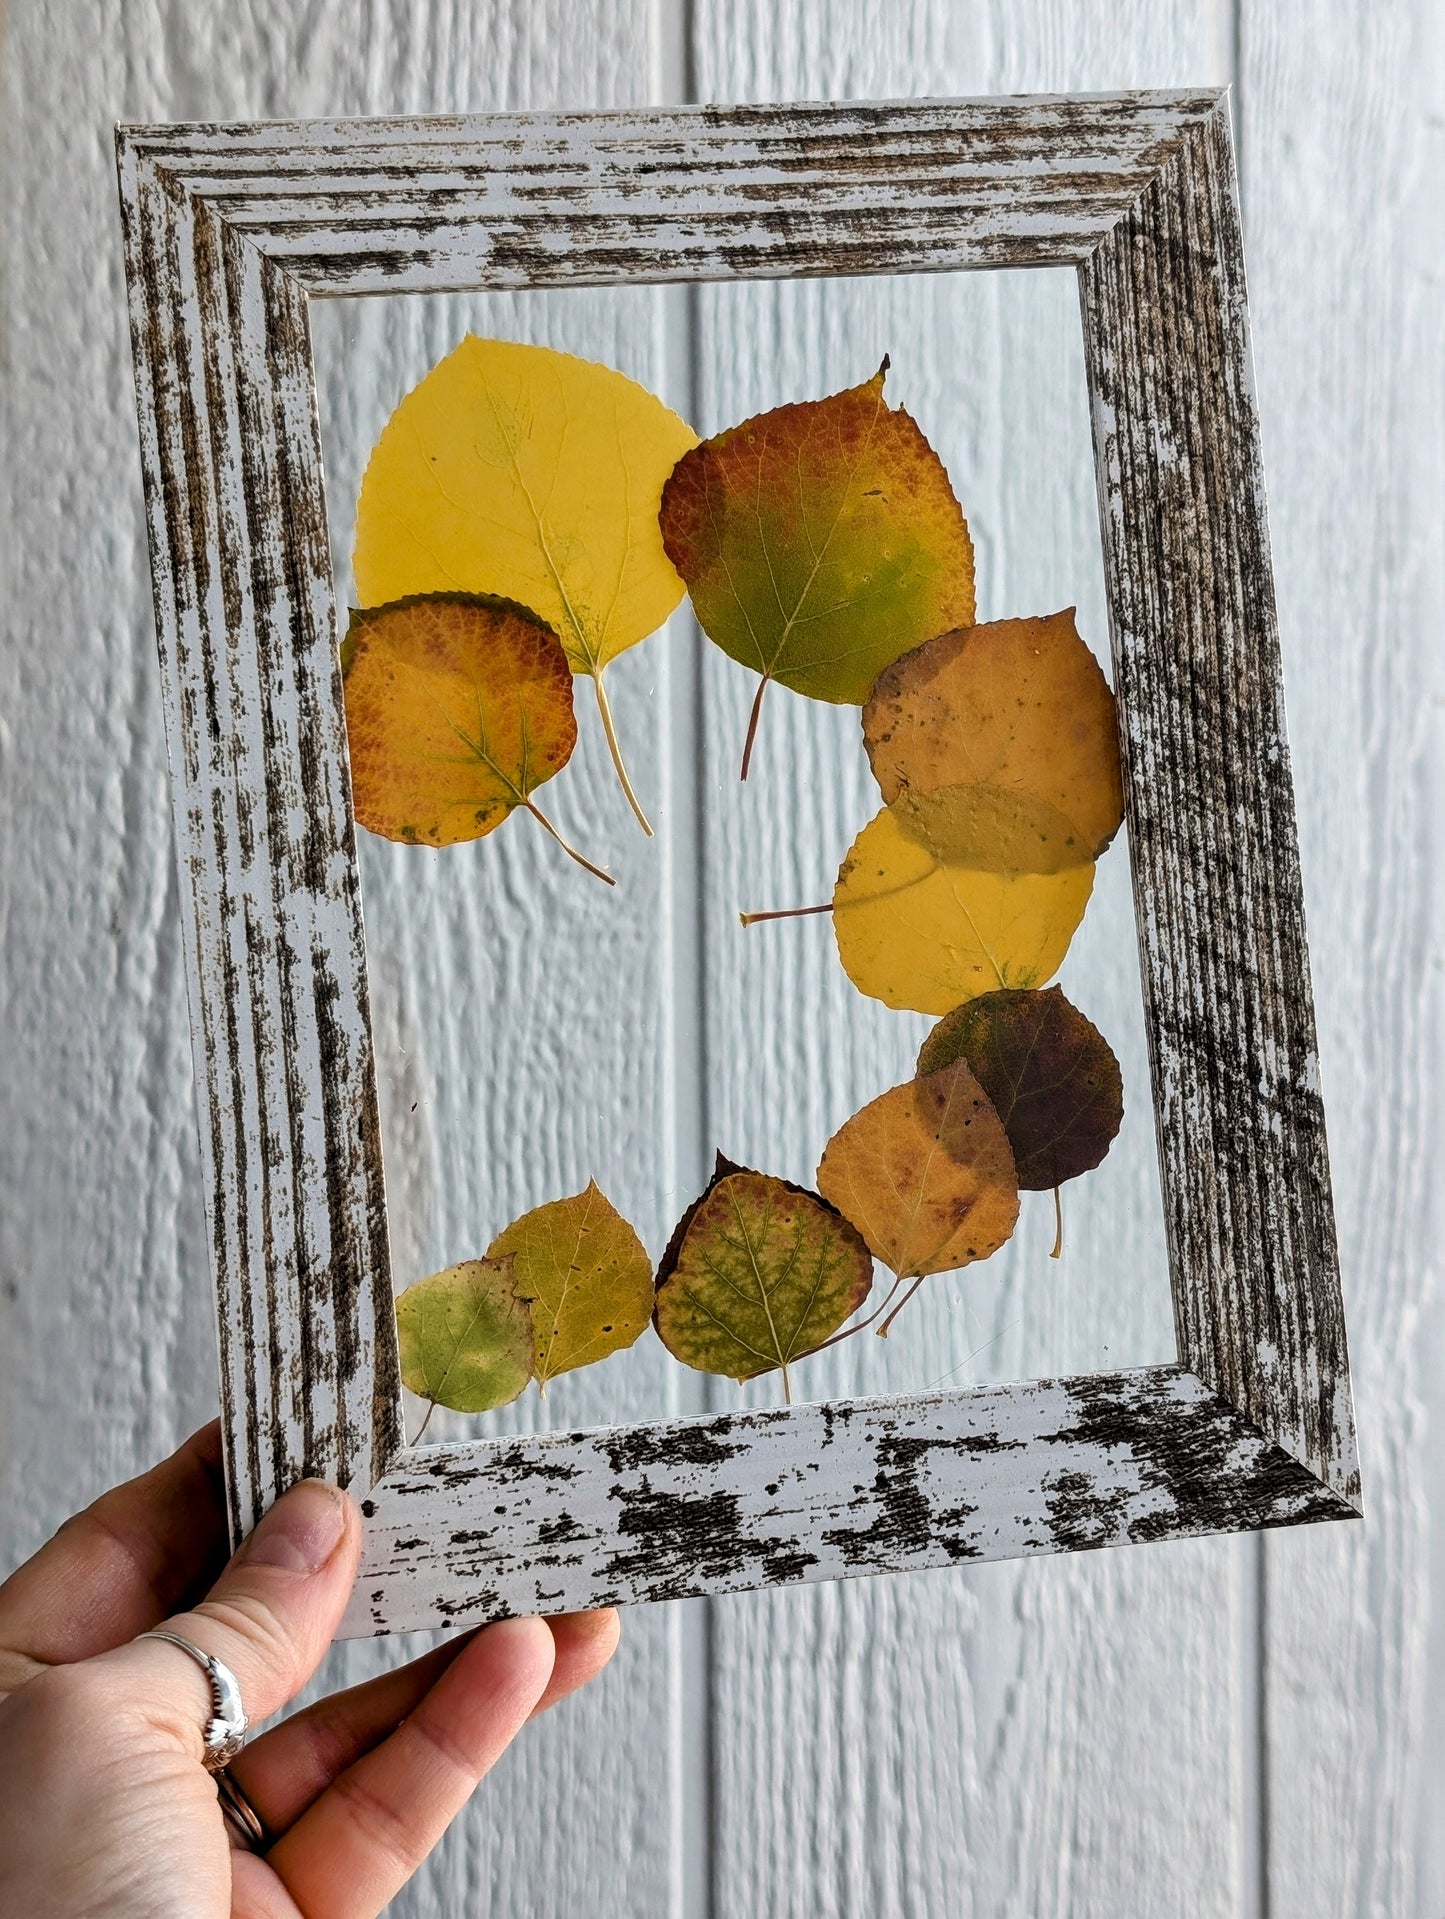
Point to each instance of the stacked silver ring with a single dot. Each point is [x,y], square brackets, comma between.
[223,1737]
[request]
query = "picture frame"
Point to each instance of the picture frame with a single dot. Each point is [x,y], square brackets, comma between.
[230,231]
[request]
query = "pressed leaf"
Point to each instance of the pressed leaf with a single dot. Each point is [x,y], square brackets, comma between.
[1019,705]
[926,1174]
[458,707]
[1051,1074]
[758,1273]
[526,472]
[586,1275]
[819,542]
[949,894]
[466,1336]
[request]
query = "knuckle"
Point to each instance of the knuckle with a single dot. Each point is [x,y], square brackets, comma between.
[257,1624]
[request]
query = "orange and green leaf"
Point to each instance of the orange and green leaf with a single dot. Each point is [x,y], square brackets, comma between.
[758,1274]
[819,542]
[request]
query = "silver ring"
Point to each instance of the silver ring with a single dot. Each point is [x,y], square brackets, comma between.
[241,1813]
[225,1732]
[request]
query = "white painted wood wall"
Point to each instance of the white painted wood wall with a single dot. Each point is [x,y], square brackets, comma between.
[1218,1728]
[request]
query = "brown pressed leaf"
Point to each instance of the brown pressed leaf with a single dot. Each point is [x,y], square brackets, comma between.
[949,894]
[458,707]
[1019,705]
[926,1174]
[1051,1074]
[818,542]
[586,1275]
[758,1273]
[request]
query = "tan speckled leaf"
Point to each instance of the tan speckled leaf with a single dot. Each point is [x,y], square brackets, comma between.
[1019,705]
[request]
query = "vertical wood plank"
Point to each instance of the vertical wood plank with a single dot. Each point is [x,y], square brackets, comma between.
[961,1743]
[1342,154]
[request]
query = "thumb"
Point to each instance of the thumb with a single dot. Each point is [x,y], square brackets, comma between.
[270,1616]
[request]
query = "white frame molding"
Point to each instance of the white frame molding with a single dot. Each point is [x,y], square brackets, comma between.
[230,231]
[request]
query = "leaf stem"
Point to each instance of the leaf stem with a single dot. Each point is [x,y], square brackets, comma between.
[570,851]
[858,1326]
[753,719]
[424,1424]
[604,707]
[1058,1251]
[784,913]
[787,1386]
[883,1329]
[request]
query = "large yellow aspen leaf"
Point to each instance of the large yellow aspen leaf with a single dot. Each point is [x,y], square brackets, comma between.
[950,894]
[819,542]
[458,707]
[1016,704]
[525,472]
[587,1276]
[926,1174]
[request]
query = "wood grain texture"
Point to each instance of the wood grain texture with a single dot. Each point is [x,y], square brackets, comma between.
[1342,155]
[462,1534]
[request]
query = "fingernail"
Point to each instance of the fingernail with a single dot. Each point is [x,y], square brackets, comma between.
[301,1531]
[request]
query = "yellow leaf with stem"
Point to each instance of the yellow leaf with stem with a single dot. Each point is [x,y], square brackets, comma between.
[950,894]
[520,471]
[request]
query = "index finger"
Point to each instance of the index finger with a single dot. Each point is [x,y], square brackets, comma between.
[125,1563]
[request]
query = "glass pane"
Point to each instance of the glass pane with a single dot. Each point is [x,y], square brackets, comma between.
[536,1029]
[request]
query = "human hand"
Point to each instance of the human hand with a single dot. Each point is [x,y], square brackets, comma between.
[105,1807]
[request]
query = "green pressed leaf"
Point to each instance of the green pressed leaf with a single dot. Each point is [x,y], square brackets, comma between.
[819,542]
[1050,1073]
[586,1275]
[758,1273]
[466,1336]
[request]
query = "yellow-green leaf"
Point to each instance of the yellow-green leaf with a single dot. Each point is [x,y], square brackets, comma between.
[466,1336]
[950,894]
[586,1275]
[819,542]
[759,1272]
[926,1174]
[529,473]
[1020,705]
[458,707]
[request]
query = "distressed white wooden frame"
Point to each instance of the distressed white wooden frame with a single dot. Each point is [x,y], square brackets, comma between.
[230,231]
